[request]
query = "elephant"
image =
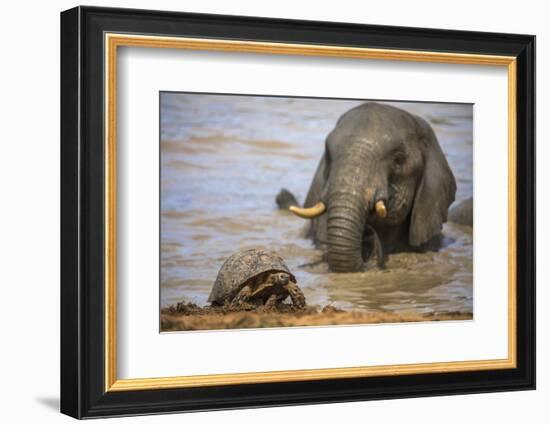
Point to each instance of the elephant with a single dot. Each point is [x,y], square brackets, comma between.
[383,185]
[463,212]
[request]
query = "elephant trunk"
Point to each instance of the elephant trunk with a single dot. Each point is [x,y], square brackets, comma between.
[345,228]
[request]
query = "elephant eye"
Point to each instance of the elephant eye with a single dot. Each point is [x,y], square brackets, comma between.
[398,160]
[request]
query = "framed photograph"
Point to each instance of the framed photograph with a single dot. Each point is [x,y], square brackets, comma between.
[261,212]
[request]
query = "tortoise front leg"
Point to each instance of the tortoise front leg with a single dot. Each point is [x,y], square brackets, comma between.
[296,295]
[242,300]
[273,300]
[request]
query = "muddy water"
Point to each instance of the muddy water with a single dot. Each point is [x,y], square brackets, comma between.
[223,160]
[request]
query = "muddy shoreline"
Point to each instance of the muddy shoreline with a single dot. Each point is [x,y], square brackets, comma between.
[189,316]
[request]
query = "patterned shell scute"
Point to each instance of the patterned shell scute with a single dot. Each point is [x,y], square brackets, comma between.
[241,267]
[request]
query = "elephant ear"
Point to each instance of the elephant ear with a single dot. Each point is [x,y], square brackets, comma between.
[435,192]
[317,187]
[318,226]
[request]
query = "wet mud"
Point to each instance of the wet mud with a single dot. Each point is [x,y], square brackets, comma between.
[189,316]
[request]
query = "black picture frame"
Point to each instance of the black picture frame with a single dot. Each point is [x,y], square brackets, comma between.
[83,392]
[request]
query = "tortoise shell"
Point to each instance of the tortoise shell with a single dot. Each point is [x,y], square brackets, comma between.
[240,268]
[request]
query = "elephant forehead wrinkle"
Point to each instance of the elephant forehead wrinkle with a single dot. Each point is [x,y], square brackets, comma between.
[362,143]
[377,147]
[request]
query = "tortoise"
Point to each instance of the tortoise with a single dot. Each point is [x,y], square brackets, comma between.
[253,278]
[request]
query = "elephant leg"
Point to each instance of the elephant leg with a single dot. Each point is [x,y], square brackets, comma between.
[373,245]
[379,252]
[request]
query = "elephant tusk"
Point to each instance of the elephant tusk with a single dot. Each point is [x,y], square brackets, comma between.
[312,212]
[381,211]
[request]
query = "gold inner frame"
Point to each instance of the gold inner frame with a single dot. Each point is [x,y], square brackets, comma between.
[113,41]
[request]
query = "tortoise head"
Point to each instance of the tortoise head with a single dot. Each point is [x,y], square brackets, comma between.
[280,278]
[269,280]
